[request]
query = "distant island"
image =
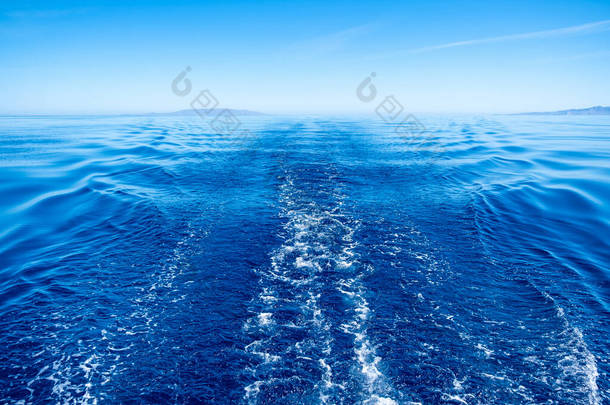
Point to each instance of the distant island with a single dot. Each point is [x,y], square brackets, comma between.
[598,110]
[210,111]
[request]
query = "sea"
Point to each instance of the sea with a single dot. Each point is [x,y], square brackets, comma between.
[305,260]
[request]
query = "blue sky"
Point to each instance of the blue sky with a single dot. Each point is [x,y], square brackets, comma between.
[271,56]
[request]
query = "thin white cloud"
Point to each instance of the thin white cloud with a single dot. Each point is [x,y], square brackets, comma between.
[589,28]
[331,42]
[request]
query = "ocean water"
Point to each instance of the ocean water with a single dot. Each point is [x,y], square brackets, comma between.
[309,260]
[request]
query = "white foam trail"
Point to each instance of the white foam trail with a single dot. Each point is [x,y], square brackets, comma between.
[375,382]
[579,363]
[294,267]
[310,234]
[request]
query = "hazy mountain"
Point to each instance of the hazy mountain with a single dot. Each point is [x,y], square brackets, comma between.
[598,110]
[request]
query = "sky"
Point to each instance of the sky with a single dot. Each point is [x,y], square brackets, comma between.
[88,57]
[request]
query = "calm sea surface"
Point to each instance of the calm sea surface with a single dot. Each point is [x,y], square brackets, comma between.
[311,260]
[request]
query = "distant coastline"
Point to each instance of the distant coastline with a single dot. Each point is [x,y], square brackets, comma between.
[597,110]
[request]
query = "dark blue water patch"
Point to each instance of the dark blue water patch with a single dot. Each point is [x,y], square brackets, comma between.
[313,260]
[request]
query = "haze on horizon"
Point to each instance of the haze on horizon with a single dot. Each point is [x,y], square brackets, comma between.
[509,56]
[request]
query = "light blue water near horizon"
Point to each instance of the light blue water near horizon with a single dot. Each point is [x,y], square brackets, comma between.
[314,260]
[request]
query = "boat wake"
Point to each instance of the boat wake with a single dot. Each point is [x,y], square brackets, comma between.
[301,350]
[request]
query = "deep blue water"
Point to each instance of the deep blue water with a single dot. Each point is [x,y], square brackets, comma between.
[147,260]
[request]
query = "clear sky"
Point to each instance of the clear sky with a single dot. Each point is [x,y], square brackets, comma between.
[271,56]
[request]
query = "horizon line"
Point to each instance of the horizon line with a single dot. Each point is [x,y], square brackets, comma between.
[285,113]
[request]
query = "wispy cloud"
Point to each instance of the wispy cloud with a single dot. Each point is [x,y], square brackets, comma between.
[589,28]
[332,42]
